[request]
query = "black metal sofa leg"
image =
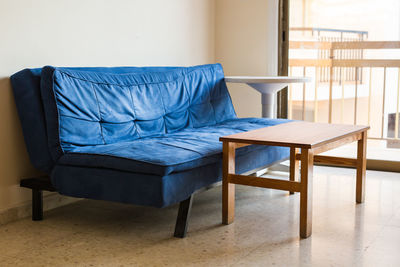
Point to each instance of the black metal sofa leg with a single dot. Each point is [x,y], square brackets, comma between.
[183,217]
[37,205]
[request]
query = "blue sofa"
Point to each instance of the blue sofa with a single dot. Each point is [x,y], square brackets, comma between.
[139,135]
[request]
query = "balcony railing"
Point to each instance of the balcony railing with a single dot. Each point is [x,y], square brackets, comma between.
[328,35]
[366,82]
[343,35]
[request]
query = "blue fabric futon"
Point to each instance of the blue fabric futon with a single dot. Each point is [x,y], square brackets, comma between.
[139,135]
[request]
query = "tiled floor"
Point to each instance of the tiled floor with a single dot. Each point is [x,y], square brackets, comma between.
[265,233]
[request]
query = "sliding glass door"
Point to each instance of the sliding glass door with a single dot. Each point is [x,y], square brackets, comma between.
[355,66]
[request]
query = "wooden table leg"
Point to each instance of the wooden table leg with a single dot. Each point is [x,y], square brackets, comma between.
[307,161]
[294,166]
[361,168]
[228,189]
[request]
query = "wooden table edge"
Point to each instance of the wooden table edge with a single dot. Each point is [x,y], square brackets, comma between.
[294,145]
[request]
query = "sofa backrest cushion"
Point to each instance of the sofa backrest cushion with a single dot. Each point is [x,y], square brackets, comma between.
[85,108]
[27,95]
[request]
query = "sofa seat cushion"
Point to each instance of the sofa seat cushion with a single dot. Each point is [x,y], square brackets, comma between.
[168,153]
[152,189]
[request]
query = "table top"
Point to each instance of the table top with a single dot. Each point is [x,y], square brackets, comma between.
[299,134]
[266,79]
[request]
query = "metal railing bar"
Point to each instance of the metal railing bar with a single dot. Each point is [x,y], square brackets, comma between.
[290,115]
[357,45]
[345,63]
[323,45]
[394,63]
[330,89]
[324,69]
[342,102]
[396,123]
[304,96]
[316,95]
[369,96]
[383,101]
[353,70]
[362,57]
[326,30]
[355,96]
[347,44]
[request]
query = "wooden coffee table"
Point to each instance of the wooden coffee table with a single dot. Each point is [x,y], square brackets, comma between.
[309,138]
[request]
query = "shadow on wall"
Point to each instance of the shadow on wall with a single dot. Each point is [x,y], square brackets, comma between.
[14,160]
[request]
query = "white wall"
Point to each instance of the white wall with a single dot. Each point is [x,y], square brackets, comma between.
[89,33]
[247,44]
[105,33]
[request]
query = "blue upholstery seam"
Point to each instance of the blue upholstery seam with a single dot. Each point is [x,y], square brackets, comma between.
[133,109]
[209,95]
[165,111]
[187,91]
[58,115]
[62,69]
[123,122]
[171,145]
[187,138]
[148,162]
[137,84]
[98,106]
[106,122]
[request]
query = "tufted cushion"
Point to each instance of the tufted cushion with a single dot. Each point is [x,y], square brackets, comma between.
[85,108]
[27,95]
[26,88]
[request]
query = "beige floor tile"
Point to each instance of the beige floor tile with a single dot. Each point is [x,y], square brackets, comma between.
[23,236]
[385,250]
[265,231]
